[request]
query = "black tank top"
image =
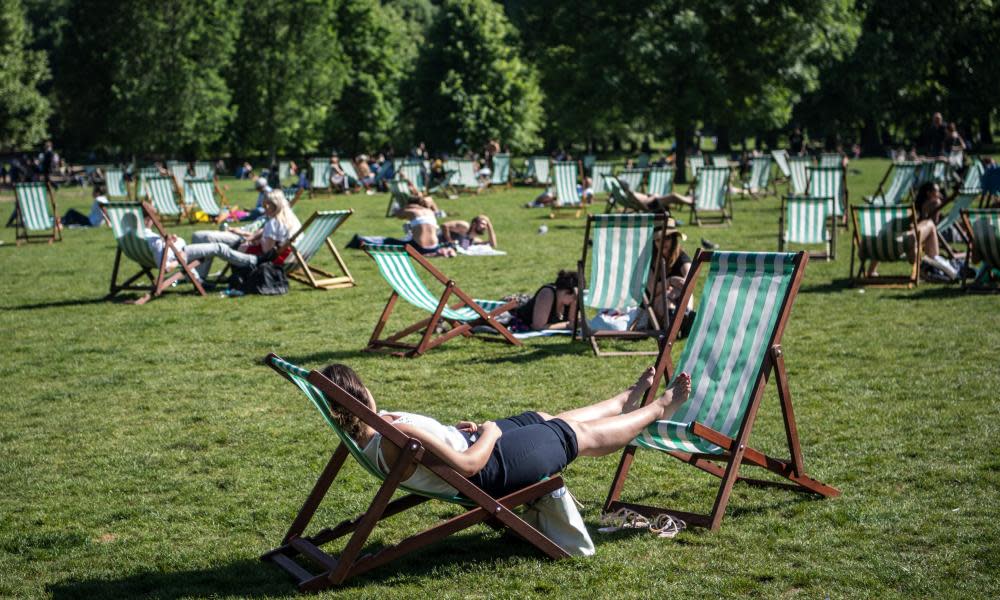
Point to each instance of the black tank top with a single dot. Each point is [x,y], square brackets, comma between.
[526,311]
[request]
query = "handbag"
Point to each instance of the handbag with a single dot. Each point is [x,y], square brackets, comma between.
[556,515]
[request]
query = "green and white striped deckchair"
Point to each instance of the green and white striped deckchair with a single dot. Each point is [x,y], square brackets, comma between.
[720,160]
[939,171]
[711,194]
[984,227]
[395,264]
[567,196]
[600,173]
[307,241]
[621,251]
[972,184]
[203,195]
[160,193]
[903,176]
[827,182]
[538,167]
[642,161]
[760,175]
[806,220]
[128,226]
[35,212]
[319,170]
[588,162]
[732,349]
[358,556]
[500,175]
[466,175]
[882,234]
[830,159]
[284,169]
[114,179]
[961,202]
[352,174]
[798,182]
[144,174]
[179,171]
[399,196]
[781,159]
[661,181]
[632,178]
[204,170]
[696,163]
[413,170]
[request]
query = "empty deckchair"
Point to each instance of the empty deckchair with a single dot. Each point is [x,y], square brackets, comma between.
[806,220]
[144,174]
[284,170]
[898,190]
[307,241]
[203,194]
[696,163]
[781,159]
[319,175]
[160,193]
[733,348]
[720,160]
[830,159]
[760,176]
[466,177]
[204,170]
[971,183]
[128,225]
[984,228]
[633,178]
[355,559]
[960,202]
[568,201]
[35,214]
[396,265]
[661,181]
[599,173]
[538,167]
[114,180]
[882,234]
[711,195]
[352,174]
[500,175]
[620,259]
[798,182]
[828,182]
[413,171]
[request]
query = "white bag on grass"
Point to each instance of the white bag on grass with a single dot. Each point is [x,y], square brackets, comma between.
[556,515]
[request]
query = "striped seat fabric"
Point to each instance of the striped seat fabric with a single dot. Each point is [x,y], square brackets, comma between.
[144,174]
[33,206]
[963,201]
[114,179]
[830,159]
[466,174]
[725,351]
[320,173]
[619,198]
[781,159]
[284,169]
[203,194]
[350,171]
[661,181]
[396,268]
[127,224]
[973,176]
[825,182]
[799,179]
[711,189]
[413,171]
[160,191]
[619,262]
[204,170]
[399,196]
[500,174]
[322,224]
[696,163]
[538,166]
[806,220]
[903,176]
[600,173]
[986,235]
[882,231]
[632,178]
[566,179]
[179,171]
[760,173]
[720,160]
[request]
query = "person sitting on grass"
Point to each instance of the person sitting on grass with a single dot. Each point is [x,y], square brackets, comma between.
[552,307]
[75,218]
[465,233]
[928,204]
[506,455]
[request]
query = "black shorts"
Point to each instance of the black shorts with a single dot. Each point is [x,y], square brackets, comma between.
[530,449]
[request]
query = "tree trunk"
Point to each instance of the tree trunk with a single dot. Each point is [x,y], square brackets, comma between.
[870,145]
[681,135]
[722,144]
[616,144]
[771,139]
[985,135]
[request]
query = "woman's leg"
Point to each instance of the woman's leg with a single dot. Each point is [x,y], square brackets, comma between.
[615,405]
[675,198]
[929,239]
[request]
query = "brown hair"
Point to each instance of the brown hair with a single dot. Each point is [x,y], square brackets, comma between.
[347,379]
[675,249]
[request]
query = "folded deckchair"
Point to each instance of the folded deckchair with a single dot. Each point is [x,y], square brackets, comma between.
[621,249]
[661,181]
[355,559]
[114,180]
[501,170]
[35,214]
[203,194]
[538,169]
[396,265]
[720,160]
[160,193]
[711,194]
[307,241]
[204,170]
[828,182]
[806,220]
[319,175]
[568,201]
[128,225]
[898,190]
[413,170]
[633,178]
[984,228]
[760,176]
[781,159]
[696,163]
[733,348]
[830,159]
[599,174]
[881,234]
[798,182]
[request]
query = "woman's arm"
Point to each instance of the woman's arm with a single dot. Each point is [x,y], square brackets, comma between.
[467,463]
[543,308]
[491,235]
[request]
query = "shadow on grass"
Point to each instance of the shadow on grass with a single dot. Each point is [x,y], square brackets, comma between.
[837,285]
[937,291]
[534,353]
[324,356]
[62,303]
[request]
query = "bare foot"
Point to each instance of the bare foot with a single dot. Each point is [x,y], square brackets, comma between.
[638,390]
[676,395]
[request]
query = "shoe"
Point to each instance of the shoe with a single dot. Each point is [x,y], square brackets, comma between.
[370,192]
[665,526]
[707,245]
[623,518]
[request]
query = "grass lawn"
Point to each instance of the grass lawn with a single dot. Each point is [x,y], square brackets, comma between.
[146,452]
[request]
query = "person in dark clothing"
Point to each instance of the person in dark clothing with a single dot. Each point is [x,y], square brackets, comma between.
[796,142]
[552,307]
[935,137]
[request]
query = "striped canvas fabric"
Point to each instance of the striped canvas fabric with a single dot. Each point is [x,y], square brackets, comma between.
[349,170]
[204,170]
[830,159]
[114,179]
[203,193]
[321,226]
[414,172]
[397,269]
[600,172]
[696,163]
[566,180]
[720,160]
[619,261]
[799,179]
[903,175]
[284,169]
[971,184]
[825,182]
[160,192]
[188,193]
[320,170]
[711,189]
[501,169]
[399,196]
[726,348]
[781,159]
[144,174]
[588,162]
[466,174]
[986,235]
[806,219]
[33,206]
[127,224]
[661,181]
[882,231]
[539,167]
[179,171]
[939,171]
[961,202]
[760,172]
[632,178]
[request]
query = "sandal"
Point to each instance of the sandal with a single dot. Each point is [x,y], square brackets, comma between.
[665,526]
[623,518]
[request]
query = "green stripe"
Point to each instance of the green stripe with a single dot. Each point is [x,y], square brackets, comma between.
[566,179]
[321,227]
[33,206]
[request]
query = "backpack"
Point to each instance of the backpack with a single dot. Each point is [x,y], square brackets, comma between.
[265,279]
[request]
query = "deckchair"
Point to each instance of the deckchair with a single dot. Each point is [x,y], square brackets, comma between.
[984,227]
[319,170]
[973,175]
[399,196]
[696,163]
[828,182]
[179,171]
[144,174]
[114,180]
[958,202]
[292,194]
[633,178]
[760,176]
[711,194]
[568,199]
[413,170]
[160,193]
[880,234]
[903,175]
[830,159]
[128,225]
[588,162]
[599,174]
[620,197]
[538,167]
[396,265]
[661,181]
[466,177]
[352,174]
[720,160]
[204,170]
[203,193]
[642,161]
[478,506]
[781,159]
[620,261]
[733,348]
[798,182]
[35,214]
[284,170]
[806,220]
[307,241]
[501,170]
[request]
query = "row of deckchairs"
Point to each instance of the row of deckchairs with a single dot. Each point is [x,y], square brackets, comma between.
[202,195]
[117,186]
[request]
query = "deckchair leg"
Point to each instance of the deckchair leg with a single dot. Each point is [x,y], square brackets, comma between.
[432,324]
[621,474]
[382,320]
[785,397]
[316,495]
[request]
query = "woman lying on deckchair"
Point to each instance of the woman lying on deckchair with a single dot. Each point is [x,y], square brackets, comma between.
[505,455]
[655,203]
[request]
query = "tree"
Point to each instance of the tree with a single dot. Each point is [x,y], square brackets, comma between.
[23,110]
[470,82]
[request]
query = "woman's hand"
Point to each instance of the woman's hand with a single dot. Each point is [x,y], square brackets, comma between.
[467,426]
[489,427]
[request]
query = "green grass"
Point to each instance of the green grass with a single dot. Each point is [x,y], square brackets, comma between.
[147,452]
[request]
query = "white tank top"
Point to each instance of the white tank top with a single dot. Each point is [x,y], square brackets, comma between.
[423,479]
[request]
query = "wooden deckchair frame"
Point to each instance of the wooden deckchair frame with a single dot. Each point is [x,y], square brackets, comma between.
[482,508]
[164,279]
[860,277]
[178,197]
[831,243]
[582,320]
[738,452]
[303,272]
[21,233]
[392,343]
